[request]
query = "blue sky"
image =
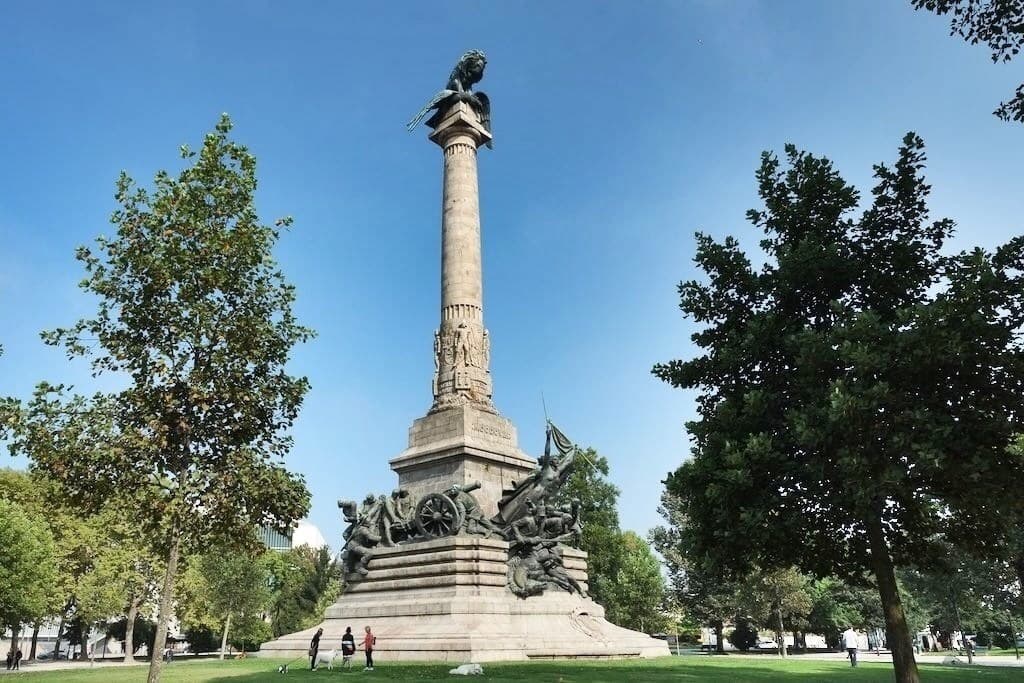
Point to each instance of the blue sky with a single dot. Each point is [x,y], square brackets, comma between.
[620,128]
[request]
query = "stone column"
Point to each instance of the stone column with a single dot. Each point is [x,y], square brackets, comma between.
[461,344]
[462,439]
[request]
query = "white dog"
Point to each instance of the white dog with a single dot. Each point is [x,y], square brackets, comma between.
[467,670]
[328,658]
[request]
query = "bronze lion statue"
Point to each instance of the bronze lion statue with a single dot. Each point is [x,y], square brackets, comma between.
[467,72]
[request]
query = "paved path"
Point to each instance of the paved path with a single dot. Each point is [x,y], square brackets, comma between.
[926,658]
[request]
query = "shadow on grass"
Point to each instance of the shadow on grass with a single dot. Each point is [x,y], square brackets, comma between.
[656,671]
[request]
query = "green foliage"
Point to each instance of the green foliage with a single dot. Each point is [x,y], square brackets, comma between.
[778,599]
[857,392]
[221,585]
[303,583]
[144,632]
[638,600]
[195,315]
[598,498]
[700,589]
[998,24]
[202,639]
[28,570]
[836,605]
[744,636]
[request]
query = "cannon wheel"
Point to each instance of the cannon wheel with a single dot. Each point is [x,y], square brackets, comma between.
[437,516]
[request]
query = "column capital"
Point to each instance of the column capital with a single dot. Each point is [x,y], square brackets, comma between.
[459,120]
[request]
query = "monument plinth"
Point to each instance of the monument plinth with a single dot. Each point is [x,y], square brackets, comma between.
[471,558]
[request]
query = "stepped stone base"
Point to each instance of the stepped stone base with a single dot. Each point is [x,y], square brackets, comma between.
[446,600]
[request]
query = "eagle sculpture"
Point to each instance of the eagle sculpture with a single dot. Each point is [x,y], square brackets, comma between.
[467,73]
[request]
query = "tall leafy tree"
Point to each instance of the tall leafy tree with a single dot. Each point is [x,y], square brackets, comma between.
[28,570]
[997,23]
[195,315]
[704,591]
[638,599]
[588,483]
[858,392]
[837,605]
[775,599]
[224,586]
[303,583]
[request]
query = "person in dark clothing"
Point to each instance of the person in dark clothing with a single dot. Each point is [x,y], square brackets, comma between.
[17,659]
[348,647]
[314,648]
[10,658]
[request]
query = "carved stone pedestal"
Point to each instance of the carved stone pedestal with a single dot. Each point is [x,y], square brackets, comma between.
[461,445]
[447,600]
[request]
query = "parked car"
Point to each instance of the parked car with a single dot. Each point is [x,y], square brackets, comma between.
[767,644]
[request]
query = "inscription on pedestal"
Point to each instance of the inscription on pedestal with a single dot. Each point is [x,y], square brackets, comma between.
[492,430]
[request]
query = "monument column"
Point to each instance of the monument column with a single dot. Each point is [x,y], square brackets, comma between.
[462,346]
[462,439]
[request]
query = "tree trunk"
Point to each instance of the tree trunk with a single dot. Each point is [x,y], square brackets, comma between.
[15,630]
[781,630]
[224,638]
[796,641]
[129,631]
[166,605]
[60,632]
[35,639]
[719,638]
[896,629]
[83,636]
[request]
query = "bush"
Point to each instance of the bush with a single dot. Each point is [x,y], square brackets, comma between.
[202,639]
[744,636]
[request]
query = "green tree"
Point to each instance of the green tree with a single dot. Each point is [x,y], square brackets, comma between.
[195,315]
[225,587]
[28,570]
[776,598]
[303,583]
[638,599]
[588,483]
[858,392]
[701,589]
[998,24]
[837,605]
[78,541]
[125,577]
[744,635]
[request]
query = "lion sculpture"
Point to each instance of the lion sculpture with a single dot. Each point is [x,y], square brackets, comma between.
[467,73]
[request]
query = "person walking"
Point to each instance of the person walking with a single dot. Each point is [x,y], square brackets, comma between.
[849,639]
[369,641]
[10,658]
[314,648]
[17,659]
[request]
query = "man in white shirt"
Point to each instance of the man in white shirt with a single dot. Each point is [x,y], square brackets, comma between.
[849,641]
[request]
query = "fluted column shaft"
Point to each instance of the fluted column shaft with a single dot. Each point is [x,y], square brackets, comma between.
[461,343]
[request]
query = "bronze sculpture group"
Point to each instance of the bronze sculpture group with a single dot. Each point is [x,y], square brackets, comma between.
[528,517]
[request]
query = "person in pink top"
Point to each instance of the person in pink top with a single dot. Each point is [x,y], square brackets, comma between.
[368,642]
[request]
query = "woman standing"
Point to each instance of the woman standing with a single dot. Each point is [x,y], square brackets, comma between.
[368,642]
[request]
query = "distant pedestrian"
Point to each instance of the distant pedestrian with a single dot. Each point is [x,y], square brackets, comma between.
[369,641]
[314,647]
[348,647]
[17,659]
[850,643]
[10,659]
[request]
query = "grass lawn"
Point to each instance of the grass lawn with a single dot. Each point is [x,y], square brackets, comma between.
[723,669]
